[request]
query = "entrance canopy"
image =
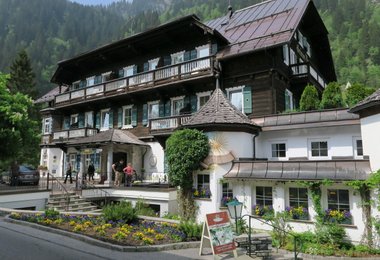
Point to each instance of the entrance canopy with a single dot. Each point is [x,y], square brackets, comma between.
[114,136]
[336,170]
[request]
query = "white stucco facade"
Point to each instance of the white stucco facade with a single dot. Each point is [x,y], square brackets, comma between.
[370,127]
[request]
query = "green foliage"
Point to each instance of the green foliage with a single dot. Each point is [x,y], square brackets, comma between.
[356,93]
[143,209]
[330,233]
[281,228]
[309,99]
[172,216]
[192,230]
[122,211]
[51,213]
[185,149]
[332,96]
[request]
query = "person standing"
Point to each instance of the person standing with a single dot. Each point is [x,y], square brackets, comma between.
[68,173]
[129,171]
[118,168]
[91,171]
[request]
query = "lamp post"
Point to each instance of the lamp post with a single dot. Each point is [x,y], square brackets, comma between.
[235,208]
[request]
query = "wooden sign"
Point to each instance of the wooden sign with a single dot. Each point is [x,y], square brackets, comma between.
[217,231]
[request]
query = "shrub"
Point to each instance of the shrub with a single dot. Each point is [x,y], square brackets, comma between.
[330,233]
[51,213]
[122,211]
[142,208]
[357,93]
[309,99]
[192,230]
[172,216]
[332,96]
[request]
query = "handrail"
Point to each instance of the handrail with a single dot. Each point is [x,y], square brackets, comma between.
[92,186]
[269,224]
[60,186]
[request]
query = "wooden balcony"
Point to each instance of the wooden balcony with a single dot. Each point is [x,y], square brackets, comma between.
[165,125]
[74,133]
[189,70]
[305,70]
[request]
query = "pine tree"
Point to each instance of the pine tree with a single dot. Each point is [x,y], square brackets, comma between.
[22,76]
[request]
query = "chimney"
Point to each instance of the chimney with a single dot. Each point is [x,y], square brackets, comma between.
[230,12]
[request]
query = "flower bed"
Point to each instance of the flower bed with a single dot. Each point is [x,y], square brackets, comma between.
[137,233]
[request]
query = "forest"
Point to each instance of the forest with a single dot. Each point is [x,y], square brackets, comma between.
[54,30]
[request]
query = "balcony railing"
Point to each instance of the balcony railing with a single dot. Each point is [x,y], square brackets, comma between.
[305,69]
[74,133]
[168,123]
[160,76]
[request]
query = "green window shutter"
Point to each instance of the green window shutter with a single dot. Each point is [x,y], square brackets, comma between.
[134,116]
[214,48]
[186,101]
[110,119]
[146,66]
[81,120]
[145,114]
[134,70]
[121,73]
[161,109]
[193,54]
[247,99]
[97,120]
[119,117]
[168,105]
[193,103]
[167,60]
[186,56]
[43,126]
[66,122]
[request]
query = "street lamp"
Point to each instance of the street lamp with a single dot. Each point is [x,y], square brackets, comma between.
[234,209]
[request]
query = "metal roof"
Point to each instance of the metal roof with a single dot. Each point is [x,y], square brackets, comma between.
[265,24]
[337,170]
[50,95]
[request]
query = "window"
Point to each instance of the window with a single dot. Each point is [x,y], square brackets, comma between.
[177,105]
[203,181]
[177,57]
[104,119]
[153,110]
[319,149]
[338,199]
[82,83]
[203,97]
[279,150]
[89,119]
[127,117]
[75,85]
[227,190]
[289,104]
[47,125]
[90,81]
[98,79]
[236,97]
[298,197]
[264,196]
[285,53]
[74,120]
[358,147]
[153,64]
[203,51]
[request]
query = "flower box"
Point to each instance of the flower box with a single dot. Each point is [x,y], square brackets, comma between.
[300,213]
[338,216]
[201,193]
[260,210]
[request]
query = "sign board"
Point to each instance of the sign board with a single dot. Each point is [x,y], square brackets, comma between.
[218,231]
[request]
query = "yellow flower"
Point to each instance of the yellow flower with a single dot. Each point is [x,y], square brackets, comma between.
[147,241]
[159,237]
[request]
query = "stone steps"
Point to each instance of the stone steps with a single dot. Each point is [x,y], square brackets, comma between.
[76,203]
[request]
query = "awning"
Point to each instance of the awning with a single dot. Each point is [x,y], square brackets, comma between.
[337,170]
[115,136]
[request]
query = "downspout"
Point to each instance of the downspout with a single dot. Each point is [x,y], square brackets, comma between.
[142,163]
[254,144]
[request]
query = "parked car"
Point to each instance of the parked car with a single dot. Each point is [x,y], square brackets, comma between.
[24,174]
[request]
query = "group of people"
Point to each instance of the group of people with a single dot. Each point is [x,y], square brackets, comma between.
[120,170]
[117,167]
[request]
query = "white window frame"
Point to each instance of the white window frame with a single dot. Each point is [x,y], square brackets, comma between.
[290,94]
[105,76]
[298,200]
[285,54]
[355,147]
[151,103]
[47,125]
[86,121]
[233,90]
[200,95]
[174,99]
[74,119]
[90,81]
[152,62]
[319,157]
[207,186]
[125,126]
[278,142]
[75,83]
[203,47]
[179,54]
[128,71]
[102,127]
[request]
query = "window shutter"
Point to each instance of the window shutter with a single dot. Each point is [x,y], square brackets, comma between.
[146,66]
[81,120]
[134,70]
[145,114]
[66,122]
[186,101]
[121,73]
[186,56]
[193,103]
[97,120]
[110,113]
[167,60]
[214,48]
[134,116]
[43,126]
[193,54]
[247,99]
[119,117]
[161,109]
[168,108]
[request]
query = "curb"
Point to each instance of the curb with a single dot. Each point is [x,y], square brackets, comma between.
[320,257]
[96,242]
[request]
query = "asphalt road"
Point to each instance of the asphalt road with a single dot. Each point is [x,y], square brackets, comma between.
[19,242]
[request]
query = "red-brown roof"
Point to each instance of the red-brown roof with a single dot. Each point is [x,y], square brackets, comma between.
[50,95]
[370,101]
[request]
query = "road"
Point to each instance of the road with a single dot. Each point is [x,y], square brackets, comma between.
[19,242]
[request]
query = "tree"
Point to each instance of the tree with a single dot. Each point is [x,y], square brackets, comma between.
[185,149]
[18,138]
[332,96]
[356,93]
[309,99]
